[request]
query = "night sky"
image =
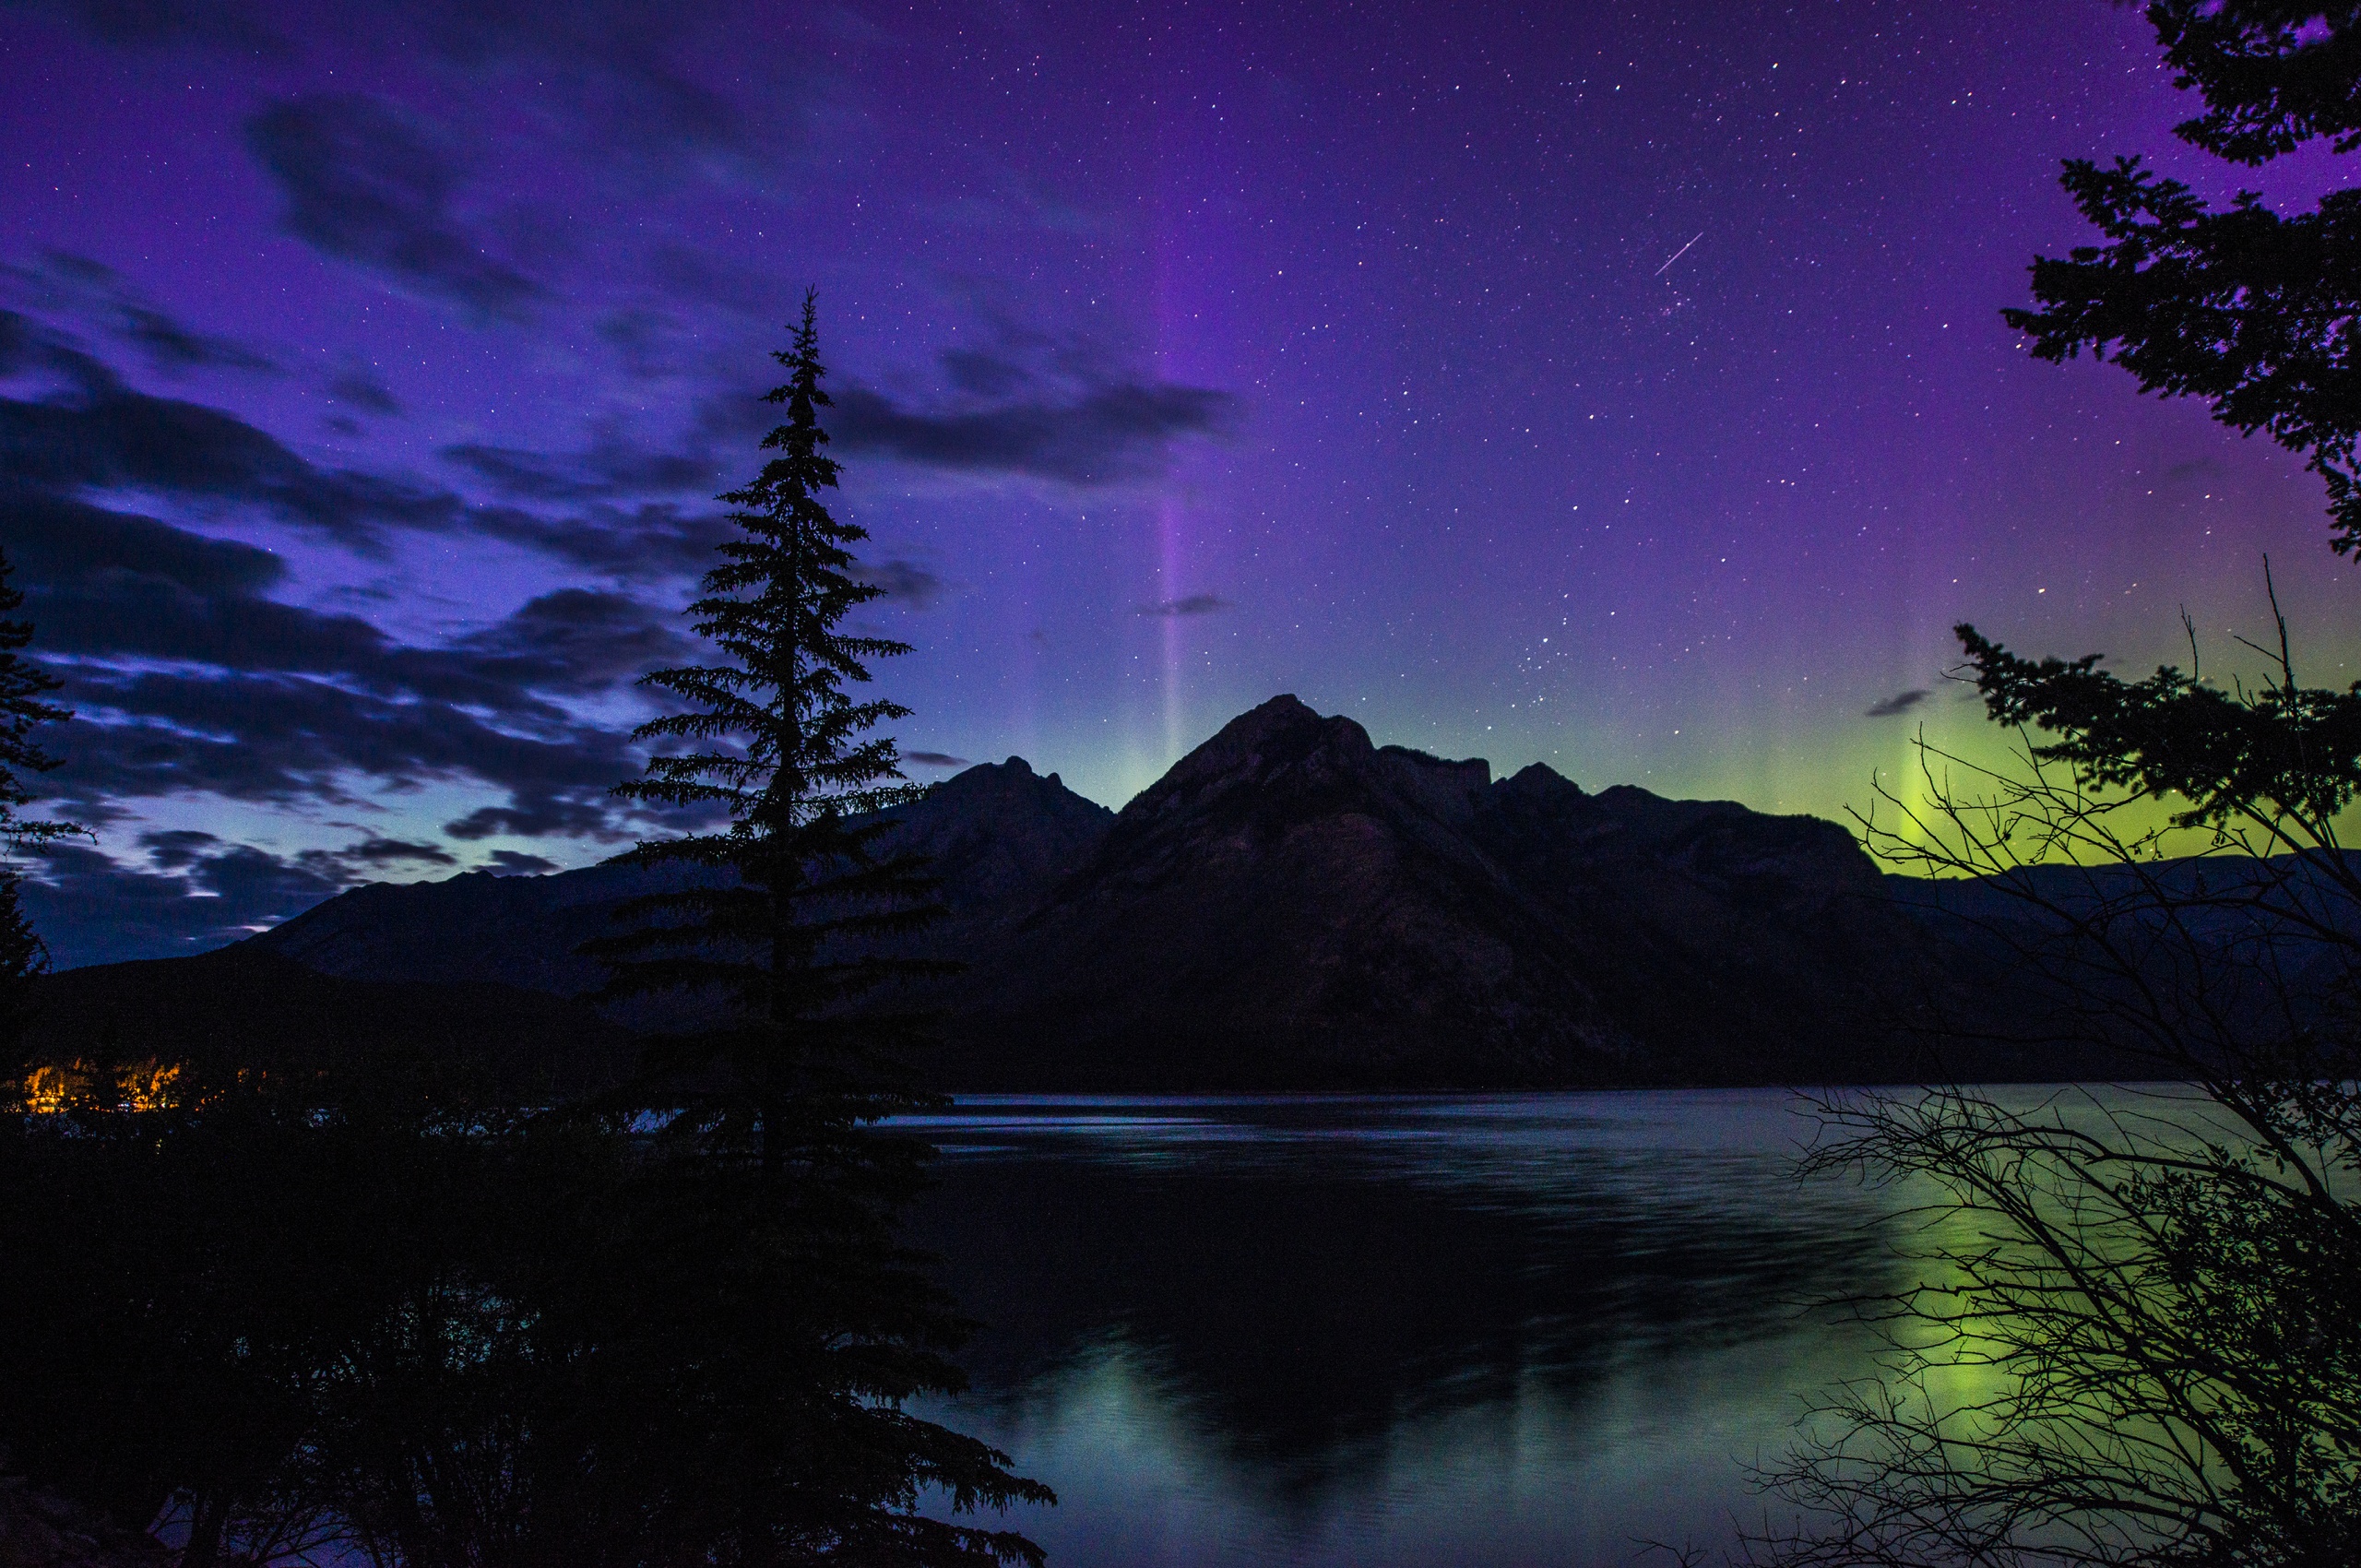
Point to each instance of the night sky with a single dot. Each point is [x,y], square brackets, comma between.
[1621,388]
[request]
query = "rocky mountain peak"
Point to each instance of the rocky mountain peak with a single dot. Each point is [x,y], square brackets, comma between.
[1539,783]
[1009,781]
[1450,790]
[1282,743]
[1294,905]
[998,830]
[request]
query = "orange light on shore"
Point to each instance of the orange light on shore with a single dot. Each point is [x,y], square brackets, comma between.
[148,1084]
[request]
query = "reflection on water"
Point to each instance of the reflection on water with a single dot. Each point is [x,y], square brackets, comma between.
[1499,1330]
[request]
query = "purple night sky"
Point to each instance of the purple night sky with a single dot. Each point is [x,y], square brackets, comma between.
[1620,388]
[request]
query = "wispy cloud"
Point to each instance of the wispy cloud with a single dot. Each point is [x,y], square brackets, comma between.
[358,389]
[369,183]
[1110,432]
[901,582]
[1188,604]
[62,284]
[1900,702]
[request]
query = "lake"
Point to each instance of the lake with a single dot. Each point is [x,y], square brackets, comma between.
[1469,1329]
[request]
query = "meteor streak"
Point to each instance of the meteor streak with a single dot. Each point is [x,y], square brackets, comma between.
[1678,253]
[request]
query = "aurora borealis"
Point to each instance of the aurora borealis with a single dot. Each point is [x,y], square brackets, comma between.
[1621,388]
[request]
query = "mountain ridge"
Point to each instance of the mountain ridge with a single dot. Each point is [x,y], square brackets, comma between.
[1292,905]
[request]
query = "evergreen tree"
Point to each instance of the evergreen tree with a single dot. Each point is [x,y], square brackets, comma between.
[2249,310]
[2255,314]
[24,706]
[2134,1341]
[521,1337]
[779,748]
[811,1325]
[23,956]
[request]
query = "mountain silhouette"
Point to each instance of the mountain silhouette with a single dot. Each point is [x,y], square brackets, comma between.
[1289,906]
[1294,907]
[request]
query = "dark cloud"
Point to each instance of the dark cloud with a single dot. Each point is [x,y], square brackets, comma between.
[901,582]
[169,345]
[296,740]
[61,283]
[935,759]
[647,340]
[396,851]
[634,104]
[191,680]
[363,391]
[614,63]
[736,420]
[189,848]
[577,813]
[91,909]
[596,637]
[983,374]
[70,547]
[118,585]
[107,436]
[21,346]
[611,467]
[653,540]
[198,891]
[1900,702]
[516,863]
[693,274]
[365,182]
[75,270]
[27,348]
[95,433]
[1113,432]
[1188,604]
[178,848]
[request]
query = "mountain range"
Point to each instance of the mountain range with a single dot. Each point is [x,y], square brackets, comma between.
[1291,907]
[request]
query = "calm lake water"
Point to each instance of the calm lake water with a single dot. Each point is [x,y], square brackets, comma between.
[1473,1329]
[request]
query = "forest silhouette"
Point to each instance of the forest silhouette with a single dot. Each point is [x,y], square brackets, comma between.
[389,1301]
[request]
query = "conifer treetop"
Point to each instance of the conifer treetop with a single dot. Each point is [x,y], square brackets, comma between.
[25,707]
[775,739]
[769,739]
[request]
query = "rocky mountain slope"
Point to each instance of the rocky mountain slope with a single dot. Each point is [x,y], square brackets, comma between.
[1292,905]
[997,834]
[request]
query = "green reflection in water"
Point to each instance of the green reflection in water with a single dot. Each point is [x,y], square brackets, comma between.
[1501,1331]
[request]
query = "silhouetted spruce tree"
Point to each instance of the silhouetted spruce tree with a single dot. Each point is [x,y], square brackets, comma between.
[2245,308]
[24,706]
[520,1339]
[2133,1340]
[2253,312]
[779,747]
[803,1323]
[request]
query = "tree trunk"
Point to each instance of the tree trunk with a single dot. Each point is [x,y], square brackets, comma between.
[203,1549]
